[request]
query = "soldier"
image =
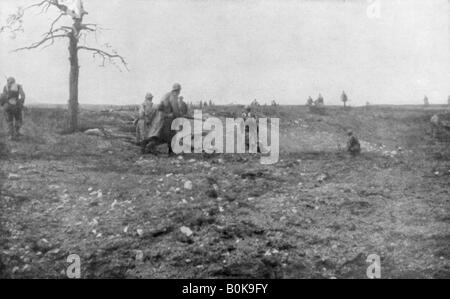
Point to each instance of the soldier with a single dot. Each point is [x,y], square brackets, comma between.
[146,113]
[435,125]
[12,101]
[182,106]
[160,131]
[353,145]
[309,102]
[320,100]
[247,113]
[426,102]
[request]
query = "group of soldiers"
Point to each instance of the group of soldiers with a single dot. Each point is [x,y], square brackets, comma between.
[426,101]
[318,102]
[153,126]
[12,100]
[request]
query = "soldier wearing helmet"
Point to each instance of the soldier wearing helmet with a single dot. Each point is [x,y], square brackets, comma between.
[146,114]
[12,101]
[247,113]
[353,145]
[160,131]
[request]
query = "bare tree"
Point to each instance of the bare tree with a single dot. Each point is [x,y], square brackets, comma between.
[76,35]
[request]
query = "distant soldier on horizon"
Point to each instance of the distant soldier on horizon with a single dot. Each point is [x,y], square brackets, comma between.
[320,101]
[12,100]
[247,114]
[426,102]
[309,102]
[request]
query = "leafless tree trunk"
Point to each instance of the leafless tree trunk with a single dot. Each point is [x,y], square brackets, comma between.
[78,29]
[73,83]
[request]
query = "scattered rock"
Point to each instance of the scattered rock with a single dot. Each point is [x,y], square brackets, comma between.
[186,231]
[54,251]
[188,185]
[43,246]
[13,177]
[322,177]
[94,132]
[114,204]
[139,256]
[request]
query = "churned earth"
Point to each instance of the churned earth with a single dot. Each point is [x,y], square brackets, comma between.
[317,213]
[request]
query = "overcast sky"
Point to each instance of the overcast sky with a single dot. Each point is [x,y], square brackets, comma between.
[236,51]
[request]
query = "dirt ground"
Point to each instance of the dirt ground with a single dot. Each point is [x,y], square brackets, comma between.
[318,213]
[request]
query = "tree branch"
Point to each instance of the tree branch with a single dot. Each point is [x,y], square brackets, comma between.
[106,56]
[41,42]
[45,5]
[53,24]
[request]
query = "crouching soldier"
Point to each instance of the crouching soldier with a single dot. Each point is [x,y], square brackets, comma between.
[353,145]
[12,101]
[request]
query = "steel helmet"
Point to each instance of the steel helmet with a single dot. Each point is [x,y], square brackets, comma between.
[176,87]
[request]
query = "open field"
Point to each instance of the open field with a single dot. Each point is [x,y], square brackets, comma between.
[318,213]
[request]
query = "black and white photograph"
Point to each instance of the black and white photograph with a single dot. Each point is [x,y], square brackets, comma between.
[224,140]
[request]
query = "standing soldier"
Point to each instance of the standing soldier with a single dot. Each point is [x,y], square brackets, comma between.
[320,101]
[160,131]
[247,113]
[182,106]
[426,102]
[12,101]
[146,113]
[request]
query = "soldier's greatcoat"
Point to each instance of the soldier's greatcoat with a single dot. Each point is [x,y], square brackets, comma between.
[166,112]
